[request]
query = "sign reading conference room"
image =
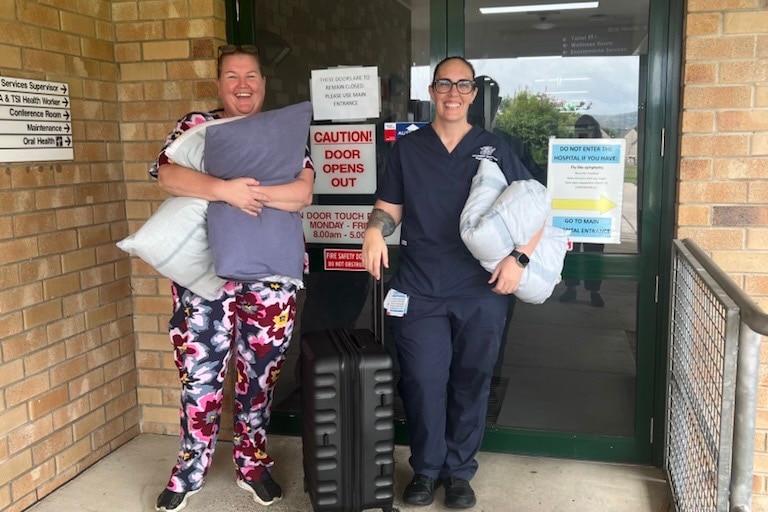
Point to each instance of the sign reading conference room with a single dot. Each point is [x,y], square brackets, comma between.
[35,121]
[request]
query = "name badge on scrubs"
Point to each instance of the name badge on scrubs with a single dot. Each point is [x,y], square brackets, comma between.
[396,303]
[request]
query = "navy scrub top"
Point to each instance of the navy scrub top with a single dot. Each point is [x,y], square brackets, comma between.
[433,185]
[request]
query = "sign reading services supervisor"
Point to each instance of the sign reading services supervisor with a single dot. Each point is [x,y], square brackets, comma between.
[586,179]
[345,93]
[35,121]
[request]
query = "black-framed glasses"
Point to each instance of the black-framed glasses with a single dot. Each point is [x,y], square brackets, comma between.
[444,85]
[233,48]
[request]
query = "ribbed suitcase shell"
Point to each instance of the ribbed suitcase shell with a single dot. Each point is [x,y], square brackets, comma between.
[348,431]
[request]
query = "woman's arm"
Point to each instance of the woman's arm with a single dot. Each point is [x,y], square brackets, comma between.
[382,222]
[242,193]
[293,196]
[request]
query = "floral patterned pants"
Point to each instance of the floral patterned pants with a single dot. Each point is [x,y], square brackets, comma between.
[253,320]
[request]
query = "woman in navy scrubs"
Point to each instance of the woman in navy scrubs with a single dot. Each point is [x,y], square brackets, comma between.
[448,338]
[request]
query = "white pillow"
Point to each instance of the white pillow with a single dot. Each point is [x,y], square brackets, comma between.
[174,242]
[188,149]
[498,217]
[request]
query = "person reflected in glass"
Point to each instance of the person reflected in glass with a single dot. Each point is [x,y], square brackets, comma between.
[251,320]
[585,127]
[447,338]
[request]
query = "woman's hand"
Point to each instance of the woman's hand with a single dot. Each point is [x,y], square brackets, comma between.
[375,252]
[506,276]
[245,194]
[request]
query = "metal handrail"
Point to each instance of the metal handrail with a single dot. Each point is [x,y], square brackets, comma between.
[754,323]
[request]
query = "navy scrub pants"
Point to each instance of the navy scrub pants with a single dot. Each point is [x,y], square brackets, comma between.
[447,349]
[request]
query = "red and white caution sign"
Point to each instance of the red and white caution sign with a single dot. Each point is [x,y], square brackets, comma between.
[344,158]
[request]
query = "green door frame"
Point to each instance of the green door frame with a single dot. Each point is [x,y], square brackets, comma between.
[658,199]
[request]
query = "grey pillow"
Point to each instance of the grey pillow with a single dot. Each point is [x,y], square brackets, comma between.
[269,146]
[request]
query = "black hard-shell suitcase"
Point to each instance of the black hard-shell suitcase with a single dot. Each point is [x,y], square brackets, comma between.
[348,430]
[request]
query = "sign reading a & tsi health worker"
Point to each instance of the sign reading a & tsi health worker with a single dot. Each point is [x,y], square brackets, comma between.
[344,158]
[345,93]
[586,179]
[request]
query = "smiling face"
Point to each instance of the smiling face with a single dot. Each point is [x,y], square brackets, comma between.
[241,84]
[452,106]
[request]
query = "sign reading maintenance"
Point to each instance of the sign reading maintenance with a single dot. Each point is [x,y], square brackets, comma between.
[35,121]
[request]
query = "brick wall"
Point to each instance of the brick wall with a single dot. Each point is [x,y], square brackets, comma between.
[68,377]
[723,194]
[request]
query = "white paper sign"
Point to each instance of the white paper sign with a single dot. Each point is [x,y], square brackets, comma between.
[339,224]
[586,179]
[345,93]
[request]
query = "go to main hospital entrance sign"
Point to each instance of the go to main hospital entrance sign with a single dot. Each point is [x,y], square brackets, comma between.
[35,121]
[586,179]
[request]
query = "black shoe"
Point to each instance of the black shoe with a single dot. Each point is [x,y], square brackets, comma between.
[568,295]
[458,493]
[596,300]
[264,492]
[421,490]
[172,501]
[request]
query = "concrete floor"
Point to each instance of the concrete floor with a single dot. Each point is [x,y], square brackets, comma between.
[130,479]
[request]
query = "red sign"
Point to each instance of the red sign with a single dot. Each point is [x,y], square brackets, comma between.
[350,260]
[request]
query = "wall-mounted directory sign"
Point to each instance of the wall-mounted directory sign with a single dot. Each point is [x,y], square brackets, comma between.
[344,158]
[345,93]
[35,121]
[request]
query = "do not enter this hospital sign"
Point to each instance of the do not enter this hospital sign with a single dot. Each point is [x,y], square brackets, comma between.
[344,158]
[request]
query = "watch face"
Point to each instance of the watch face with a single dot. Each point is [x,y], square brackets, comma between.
[523,258]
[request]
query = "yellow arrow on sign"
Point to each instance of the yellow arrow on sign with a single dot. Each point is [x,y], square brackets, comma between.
[602,205]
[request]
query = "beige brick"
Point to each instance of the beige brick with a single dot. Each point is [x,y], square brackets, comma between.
[78,260]
[720,5]
[715,239]
[70,412]
[761,96]
[713,192]
[11,419]
[37,14]
[745,22]
[74,217]
[147,396]
[165,50]
[698,121]
[120,405]
[753,285]
[29,434]
[73,454]
[54,40]
[714,145]
[106,433]
[47,447]
[60,479]
[44,359]
[204,8]
[58,242]
[65,328]
[33,223]
[88,424]
[124,11]
[18,250]
[718,96]
[758,192]
[26,389]
[26,342]
[15,466]
[741,261]
[42,314]
[11,324]
[743,120]
[740,216]
[161,378]
[741,168]
[696,169]
[749,71]
[104,394]
[160,414]
[11,372]
[48,402]
[28,482]
[193,70]
[702,24]
[63,285]
[757,239]
[711,48]
[81,385]
[191,28]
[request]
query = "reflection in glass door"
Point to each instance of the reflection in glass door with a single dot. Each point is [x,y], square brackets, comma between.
[570,366]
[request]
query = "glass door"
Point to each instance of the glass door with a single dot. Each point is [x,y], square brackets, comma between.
[576,374]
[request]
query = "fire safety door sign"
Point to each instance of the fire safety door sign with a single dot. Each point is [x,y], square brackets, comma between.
[344,158]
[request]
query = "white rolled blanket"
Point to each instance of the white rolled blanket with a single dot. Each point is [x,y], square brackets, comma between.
[498,217]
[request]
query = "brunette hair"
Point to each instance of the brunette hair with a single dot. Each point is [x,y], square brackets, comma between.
[453,57]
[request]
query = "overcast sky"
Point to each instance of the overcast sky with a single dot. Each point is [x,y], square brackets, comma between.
[609,84]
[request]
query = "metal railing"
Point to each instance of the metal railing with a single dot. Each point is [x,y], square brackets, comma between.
[712,380]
